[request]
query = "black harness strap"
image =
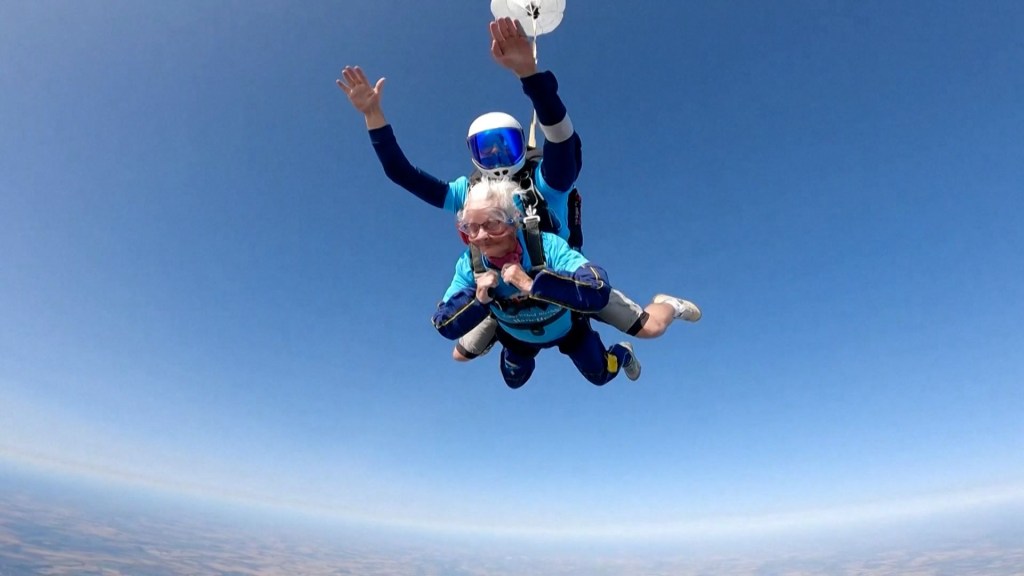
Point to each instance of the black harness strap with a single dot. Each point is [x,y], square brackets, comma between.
[534,244]
[575,220]
[477,259]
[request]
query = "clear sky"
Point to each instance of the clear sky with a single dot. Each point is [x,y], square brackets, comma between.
[208,284]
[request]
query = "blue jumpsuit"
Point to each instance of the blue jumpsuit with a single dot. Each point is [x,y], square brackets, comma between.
[552,314]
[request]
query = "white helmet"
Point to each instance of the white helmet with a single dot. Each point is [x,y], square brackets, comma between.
[496,144]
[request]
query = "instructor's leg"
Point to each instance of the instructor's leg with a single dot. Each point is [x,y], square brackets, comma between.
[650,322]
[625,314]
[477,341]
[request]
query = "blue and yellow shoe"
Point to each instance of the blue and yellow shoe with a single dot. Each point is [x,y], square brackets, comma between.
[632,365]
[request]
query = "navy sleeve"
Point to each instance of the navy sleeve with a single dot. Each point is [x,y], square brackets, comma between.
[400,171]
[456,316]
[542,89]
[563,156]
[569,279]
[585,290]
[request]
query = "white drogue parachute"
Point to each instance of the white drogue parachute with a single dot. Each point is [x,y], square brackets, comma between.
[536,17]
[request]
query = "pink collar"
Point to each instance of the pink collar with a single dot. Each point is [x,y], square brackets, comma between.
[513,257]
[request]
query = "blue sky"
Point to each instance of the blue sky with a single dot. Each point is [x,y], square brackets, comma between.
[207,284]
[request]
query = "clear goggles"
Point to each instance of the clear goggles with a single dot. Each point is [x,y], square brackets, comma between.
[497,147]
[493,227]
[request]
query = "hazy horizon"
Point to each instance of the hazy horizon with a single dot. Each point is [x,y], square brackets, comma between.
[93,515]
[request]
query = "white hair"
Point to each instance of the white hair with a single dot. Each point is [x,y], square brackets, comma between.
[494,194]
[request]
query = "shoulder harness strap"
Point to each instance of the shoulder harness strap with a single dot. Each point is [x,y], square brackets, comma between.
[477,260]
[534,244]
[533,201]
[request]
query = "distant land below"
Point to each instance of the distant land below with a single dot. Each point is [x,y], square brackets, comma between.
[61,525]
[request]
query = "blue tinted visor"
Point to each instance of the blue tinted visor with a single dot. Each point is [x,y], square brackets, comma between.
[497,147]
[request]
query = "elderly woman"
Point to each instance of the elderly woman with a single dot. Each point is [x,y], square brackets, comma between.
[546,310]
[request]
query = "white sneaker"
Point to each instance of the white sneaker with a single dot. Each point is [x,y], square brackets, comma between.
[632,368]
[684,309]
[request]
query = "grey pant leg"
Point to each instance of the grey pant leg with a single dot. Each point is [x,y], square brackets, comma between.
[479,340]
[623,313]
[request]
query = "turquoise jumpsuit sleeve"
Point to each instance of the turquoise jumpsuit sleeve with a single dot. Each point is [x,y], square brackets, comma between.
[455,198]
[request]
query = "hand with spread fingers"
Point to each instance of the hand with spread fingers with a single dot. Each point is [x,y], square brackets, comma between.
[511,48]
[364,97]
